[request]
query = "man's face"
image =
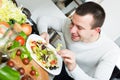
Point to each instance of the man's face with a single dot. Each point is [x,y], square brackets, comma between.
[80,28]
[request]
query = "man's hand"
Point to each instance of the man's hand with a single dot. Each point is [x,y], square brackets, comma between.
[69,58]
[45,36]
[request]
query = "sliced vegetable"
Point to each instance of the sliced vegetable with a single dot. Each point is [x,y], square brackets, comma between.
[20,39]
[24,55]
[7,73]
[59,47]
[53,62]
[14,45]
[44,55]
[23,35]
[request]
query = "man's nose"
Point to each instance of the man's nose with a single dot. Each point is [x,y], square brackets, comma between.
[73,29]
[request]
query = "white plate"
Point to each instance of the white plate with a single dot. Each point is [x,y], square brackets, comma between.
[36,38]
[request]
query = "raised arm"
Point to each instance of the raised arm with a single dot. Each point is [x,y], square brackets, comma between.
[45,22]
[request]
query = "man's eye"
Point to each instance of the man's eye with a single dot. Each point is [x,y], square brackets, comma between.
[80,28]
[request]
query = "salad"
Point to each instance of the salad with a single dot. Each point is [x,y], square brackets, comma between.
[44,54]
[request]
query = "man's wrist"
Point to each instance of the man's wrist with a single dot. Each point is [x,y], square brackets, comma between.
[73,67]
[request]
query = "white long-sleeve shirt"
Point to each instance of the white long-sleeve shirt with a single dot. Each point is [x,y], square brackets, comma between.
[95,61]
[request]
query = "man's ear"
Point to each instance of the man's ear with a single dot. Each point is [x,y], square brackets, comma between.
[98,29]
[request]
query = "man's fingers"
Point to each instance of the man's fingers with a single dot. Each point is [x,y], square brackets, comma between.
[69,58]
[45,36]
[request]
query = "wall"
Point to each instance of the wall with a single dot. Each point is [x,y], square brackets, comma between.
[112,24]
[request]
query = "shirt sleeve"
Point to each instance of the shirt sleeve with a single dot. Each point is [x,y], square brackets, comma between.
[104,68]
[45,22]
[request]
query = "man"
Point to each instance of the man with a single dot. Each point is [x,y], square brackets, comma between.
[90,55]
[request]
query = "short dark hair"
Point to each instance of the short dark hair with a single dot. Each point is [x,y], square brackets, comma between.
[94,9]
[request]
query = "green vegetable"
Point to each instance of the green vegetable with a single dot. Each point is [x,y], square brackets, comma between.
[7,73]
[13,54]
[25,53]
[11,21]
[13,48]
[15,44]
[23,35]
[33,68]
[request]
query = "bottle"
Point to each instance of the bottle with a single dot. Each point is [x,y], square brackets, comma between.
[3,57]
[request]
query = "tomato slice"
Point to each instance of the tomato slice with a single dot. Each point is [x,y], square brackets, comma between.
[53,62]
[20,39]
